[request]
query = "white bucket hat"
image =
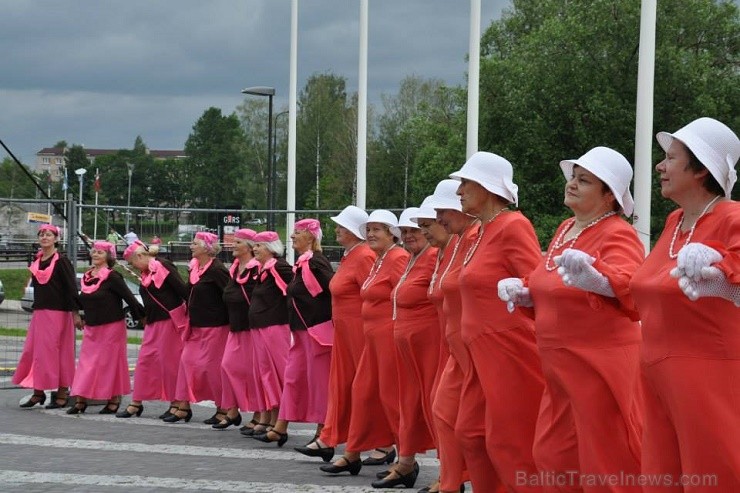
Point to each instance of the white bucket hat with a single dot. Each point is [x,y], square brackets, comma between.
[610,167]
[425,210]
[351,218]
[382,216]
[492,172]
[714,144]
[404,220]
[445,196]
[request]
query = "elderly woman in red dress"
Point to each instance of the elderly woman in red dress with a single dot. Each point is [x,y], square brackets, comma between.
[503,352]
[306,381]
[102,368]
[417,337]
[349,340]
[48,357]
[590,417]
[199,376]
[375,415]
[268,319]
[687,293]
[237,366]
[163,291]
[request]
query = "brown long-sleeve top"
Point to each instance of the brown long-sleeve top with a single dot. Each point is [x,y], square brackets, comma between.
[206,305]
[104,305]
[313,310]
[238,297]
[269,305]
[172,294]
[60,293]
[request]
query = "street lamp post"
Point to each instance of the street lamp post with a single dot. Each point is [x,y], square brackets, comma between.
[80,172]
[130,167]
[269,92]
[274,173]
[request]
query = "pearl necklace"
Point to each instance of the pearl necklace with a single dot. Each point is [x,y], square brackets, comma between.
[376,268]
[559,243]
[409,266]
[348,251]
[691,231]
[472,249]
[440,256]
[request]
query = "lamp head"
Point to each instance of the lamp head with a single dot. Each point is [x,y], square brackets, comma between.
[259,91]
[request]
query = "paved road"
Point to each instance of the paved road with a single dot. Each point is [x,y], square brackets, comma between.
[49,451]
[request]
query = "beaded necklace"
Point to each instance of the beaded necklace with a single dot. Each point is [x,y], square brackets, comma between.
[376,268]
[559,243]
[472,249]
[440,256]
[691,231]
[409,266]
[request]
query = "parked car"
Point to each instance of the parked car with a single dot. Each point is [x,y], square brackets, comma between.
[131,323]
[2,292]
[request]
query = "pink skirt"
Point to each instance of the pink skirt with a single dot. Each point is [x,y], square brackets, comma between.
[48,357]
[199,377]
[102,368]
[155,377]
[306,380]
[271,345]
[239,384]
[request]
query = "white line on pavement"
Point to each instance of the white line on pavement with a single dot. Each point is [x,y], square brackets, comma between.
[24,477]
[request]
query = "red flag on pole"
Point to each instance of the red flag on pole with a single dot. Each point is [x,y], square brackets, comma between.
[97,181]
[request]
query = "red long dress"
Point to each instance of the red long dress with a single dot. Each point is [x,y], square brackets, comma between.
[503,351]
[375,416]
[691,362]
[349,340]
[416,334]
[590,418]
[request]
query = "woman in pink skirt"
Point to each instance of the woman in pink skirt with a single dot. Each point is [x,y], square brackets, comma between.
[268,319]
[102,368]
[48,358]
[199,376]
[237,375]
[306,383]
[163,291]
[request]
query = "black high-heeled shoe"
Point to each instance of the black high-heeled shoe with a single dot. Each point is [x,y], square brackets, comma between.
[388,458]
[167,413]
[58,402]
[107,408]
[176,417]
[215,418]
[78,408]
[222,425]
[254,431]
[246,428]
[125,414]
[35,399]
[353,467]
[408,480]
[264,437]
[326,453]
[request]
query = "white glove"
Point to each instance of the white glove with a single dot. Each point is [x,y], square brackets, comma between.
[512,291]
[713,284]
[694,260]
[576,269]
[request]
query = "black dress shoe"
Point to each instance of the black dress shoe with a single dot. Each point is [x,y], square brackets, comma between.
[167,413]
[382,474]
[222,425]
[78,408]
[58,403]
[254,431]
[125,414]
[175,417]
[326,453]
[264,437]
[246,428]
[107,408]
[35,399]
[214,419]
[407,480]
[387,459]
[352,467]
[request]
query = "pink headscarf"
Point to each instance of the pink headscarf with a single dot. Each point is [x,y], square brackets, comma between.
[132,248]
[106,245]
[313,226]
[209,239]
[49,227]
[245,234]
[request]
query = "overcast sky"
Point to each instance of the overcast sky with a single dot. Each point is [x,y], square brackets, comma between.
[99,73]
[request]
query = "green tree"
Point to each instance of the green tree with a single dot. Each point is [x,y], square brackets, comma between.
[558,78]
[214,169]
[253,114]
[14,183]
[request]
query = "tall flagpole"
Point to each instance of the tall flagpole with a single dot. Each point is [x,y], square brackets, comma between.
[97,191]
[362,110]
[644,121]
[292,91]
[473,78]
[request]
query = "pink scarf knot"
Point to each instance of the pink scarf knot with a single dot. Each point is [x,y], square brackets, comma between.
[312,284]
[269,266]
[156,273]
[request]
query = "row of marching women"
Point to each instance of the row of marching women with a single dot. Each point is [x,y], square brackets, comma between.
[590,367]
